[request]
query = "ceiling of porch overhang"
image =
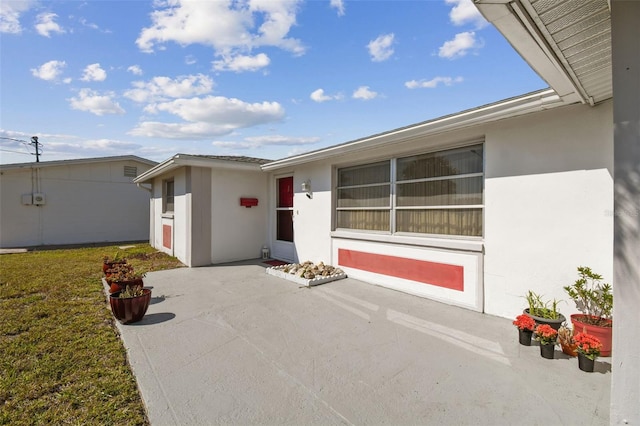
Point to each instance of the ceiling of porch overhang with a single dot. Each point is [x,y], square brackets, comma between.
[572,39]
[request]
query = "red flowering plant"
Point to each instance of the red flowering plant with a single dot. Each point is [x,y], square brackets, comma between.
[546,335]
[524,322]
[588,345]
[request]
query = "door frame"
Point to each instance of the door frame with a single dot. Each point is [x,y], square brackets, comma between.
[283,250]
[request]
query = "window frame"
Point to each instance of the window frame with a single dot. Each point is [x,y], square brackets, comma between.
[393,195]
[166,184]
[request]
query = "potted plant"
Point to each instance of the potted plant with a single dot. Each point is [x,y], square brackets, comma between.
[594,299]
[109,262]
[588,347]
[565,338]
[131,304]
[119,276]
[543,312]
[525,325]
[547,336]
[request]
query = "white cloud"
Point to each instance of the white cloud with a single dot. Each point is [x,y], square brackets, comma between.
[10,12]
[459,46]
[228,27]
[364,93]
[241,63]
[319,96]
[209,116]
[381,48]
[49,71]
[464,11]
[94,72]
[267,140]
[164,88]
[46,24]
[339,5]
[135,70]
[96,103]
[433,83]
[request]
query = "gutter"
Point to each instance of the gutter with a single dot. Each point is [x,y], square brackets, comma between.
[537,101]
[139,185]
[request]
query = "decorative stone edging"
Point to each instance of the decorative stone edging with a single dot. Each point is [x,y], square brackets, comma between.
[296,272]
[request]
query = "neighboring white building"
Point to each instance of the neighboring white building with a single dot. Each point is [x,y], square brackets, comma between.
[91,200]
[472,209]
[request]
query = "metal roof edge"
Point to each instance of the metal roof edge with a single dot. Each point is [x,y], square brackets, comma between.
[512,107]
[77,161]
[184,160]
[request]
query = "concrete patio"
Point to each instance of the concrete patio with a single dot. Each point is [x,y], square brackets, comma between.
[230,344]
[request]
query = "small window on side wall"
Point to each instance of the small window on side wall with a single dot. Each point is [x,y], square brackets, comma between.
[168,196]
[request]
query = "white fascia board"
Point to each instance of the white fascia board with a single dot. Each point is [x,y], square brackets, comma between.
[161,168]
[514,22]
[185,160]
[513,107]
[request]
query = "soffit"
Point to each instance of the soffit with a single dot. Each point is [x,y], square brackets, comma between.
[568,43]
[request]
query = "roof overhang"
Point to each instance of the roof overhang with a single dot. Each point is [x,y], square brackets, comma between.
[184,160]
[568,43]
[533,102]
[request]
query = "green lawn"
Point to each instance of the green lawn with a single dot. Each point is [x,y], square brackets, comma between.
[61,358]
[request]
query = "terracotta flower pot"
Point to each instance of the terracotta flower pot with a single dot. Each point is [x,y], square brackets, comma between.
[122,285]
[571,350]
[604,334]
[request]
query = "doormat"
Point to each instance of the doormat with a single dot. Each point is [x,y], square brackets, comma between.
[275,262]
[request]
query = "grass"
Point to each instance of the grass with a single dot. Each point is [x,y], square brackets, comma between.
[61,358]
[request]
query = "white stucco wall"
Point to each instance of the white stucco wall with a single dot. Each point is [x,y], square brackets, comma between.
[311,223]
[238,233]
[548,204]
[88,202]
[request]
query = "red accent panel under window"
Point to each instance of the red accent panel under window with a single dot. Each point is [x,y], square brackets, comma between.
[166,236]
[439,274]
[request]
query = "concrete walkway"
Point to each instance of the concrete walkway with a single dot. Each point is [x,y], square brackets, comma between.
[232,345]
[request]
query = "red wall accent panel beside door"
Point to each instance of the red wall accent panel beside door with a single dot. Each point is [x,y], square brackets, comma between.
[439,274]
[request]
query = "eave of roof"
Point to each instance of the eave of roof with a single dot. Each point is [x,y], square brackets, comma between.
[211,161]
[41,164]
[568,43]
[532,102]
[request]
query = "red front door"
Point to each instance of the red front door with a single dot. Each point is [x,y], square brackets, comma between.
[284,210]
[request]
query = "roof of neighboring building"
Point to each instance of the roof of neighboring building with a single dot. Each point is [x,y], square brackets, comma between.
[211,161]
[77,161]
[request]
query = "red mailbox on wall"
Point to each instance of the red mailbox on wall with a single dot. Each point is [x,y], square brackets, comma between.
[248,202]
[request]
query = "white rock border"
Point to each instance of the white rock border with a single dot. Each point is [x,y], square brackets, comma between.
[278,271]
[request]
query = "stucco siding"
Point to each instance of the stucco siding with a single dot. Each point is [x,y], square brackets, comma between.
[83,203]
[238,233]
[311,223]
[548,205]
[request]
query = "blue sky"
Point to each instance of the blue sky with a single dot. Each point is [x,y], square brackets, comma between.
[262,78]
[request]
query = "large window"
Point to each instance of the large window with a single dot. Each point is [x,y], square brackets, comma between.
[435,193]
[168,196]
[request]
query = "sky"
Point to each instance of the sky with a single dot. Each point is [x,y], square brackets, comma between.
[258,78]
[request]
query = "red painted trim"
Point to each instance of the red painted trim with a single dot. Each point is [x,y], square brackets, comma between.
[166,236]
[438,274]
